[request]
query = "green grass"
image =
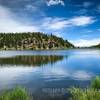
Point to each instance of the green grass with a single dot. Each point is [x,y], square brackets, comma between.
[92,93]
[96,83]
[86,94]
[16,94]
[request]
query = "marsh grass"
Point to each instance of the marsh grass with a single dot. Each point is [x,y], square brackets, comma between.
[16,94]
[96,83]
[88,94]
[92,93]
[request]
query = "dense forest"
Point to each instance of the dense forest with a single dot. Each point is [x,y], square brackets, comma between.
[32,41]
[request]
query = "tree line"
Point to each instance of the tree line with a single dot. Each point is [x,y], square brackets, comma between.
[32,41]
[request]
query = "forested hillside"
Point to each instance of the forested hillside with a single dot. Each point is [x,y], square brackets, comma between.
[32,41]
[95,46]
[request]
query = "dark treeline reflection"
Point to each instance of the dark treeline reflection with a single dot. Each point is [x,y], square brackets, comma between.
[36,60]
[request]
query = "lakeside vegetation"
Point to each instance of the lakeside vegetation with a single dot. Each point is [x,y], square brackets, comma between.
[32,41]
[91,93]
[16,94]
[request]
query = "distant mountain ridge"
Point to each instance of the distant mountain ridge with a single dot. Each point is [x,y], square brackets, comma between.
[32,41]
[96,46]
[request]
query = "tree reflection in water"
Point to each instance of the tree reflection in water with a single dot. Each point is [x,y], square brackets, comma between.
[36,60]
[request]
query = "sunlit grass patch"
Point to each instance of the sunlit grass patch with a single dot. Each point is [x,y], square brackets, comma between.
[86,94]
[96,83]
[92,93]
[16,94]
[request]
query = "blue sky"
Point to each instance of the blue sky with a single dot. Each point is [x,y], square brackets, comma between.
[75,20]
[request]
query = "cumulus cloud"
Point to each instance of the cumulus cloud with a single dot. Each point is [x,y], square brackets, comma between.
[55,2]
[9,24]
[60,23]
[86,42]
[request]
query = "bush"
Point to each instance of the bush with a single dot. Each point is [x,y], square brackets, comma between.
[15,94]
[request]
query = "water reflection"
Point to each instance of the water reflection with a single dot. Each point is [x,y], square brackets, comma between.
[35,60]
[57,69]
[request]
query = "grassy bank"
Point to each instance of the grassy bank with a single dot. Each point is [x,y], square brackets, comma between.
[16,94]
[91,93]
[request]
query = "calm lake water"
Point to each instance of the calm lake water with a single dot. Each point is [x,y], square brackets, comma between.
[48,74]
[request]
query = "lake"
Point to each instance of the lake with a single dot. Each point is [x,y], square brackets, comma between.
[48,74]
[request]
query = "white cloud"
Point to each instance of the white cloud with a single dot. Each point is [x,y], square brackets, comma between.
[60,23]
[55,2]
[81,11]
[31,7]
[57,34]
[9,24]
[81,20]
[54,23]
[86,42]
